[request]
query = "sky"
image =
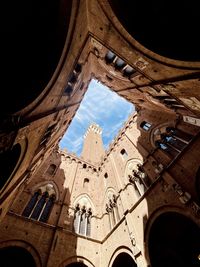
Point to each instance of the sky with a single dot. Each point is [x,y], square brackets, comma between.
[101,106]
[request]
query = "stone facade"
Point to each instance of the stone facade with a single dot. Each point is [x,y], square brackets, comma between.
[146,187]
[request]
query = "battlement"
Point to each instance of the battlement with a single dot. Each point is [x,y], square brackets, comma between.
[95,128]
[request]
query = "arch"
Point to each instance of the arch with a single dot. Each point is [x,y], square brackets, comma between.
[197,184]
[76,259]
[157,13]
[173,240]
[41,203]
[122,257]
[21,246]
[42,186]
[84,200]
[169,138]
[76,264]
[82,215]
[10,161]
[39,31]
[135,175]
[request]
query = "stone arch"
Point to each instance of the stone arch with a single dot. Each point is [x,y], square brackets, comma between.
[123,18]
[10,162]
[130,165]
[33,63]
[197,184]
[161,128]
[76,259]
[172,237]
[41,202]
[136,176]
[169,138]
[83,215]
[120,255]
[44,184]
[110,191]
[23,245]
[84,199]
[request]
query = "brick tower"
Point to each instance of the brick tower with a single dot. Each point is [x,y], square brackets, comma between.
[93,146]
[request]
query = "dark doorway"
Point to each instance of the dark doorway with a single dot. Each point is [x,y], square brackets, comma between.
[8,161]
[33,34]
[198,184]
[16,256]
[76,264]
[124,259]
[174,241]
[168,28]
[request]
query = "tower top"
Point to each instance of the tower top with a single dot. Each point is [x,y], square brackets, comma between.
[95,128]
[93,146]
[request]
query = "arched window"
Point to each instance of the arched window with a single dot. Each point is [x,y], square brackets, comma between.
[145,125]
[51,170]
[171,140]
[137,176]
[40,204]
[112,210]
[82,220]
[106,175]
[86,182]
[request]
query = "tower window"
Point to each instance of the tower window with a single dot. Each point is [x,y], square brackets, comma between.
[145,125]
[86,182]
[84,166]
[124,153]
[106,175]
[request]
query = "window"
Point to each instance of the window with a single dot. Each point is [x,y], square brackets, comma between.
[145,125]
[106,175]
[137,177]
[86,182]
[110,57]
[40,204]
[112,210]
[173,141]
[124,153]
[82,220]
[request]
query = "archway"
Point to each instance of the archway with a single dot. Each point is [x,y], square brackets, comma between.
[16,256]
[33,35]
[167,28]
[198,184]
[174,241]
[8,161]
[76,264]
[124,259]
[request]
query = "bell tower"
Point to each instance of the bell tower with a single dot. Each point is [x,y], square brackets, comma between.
[93,145]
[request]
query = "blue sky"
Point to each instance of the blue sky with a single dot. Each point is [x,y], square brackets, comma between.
[101,106]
